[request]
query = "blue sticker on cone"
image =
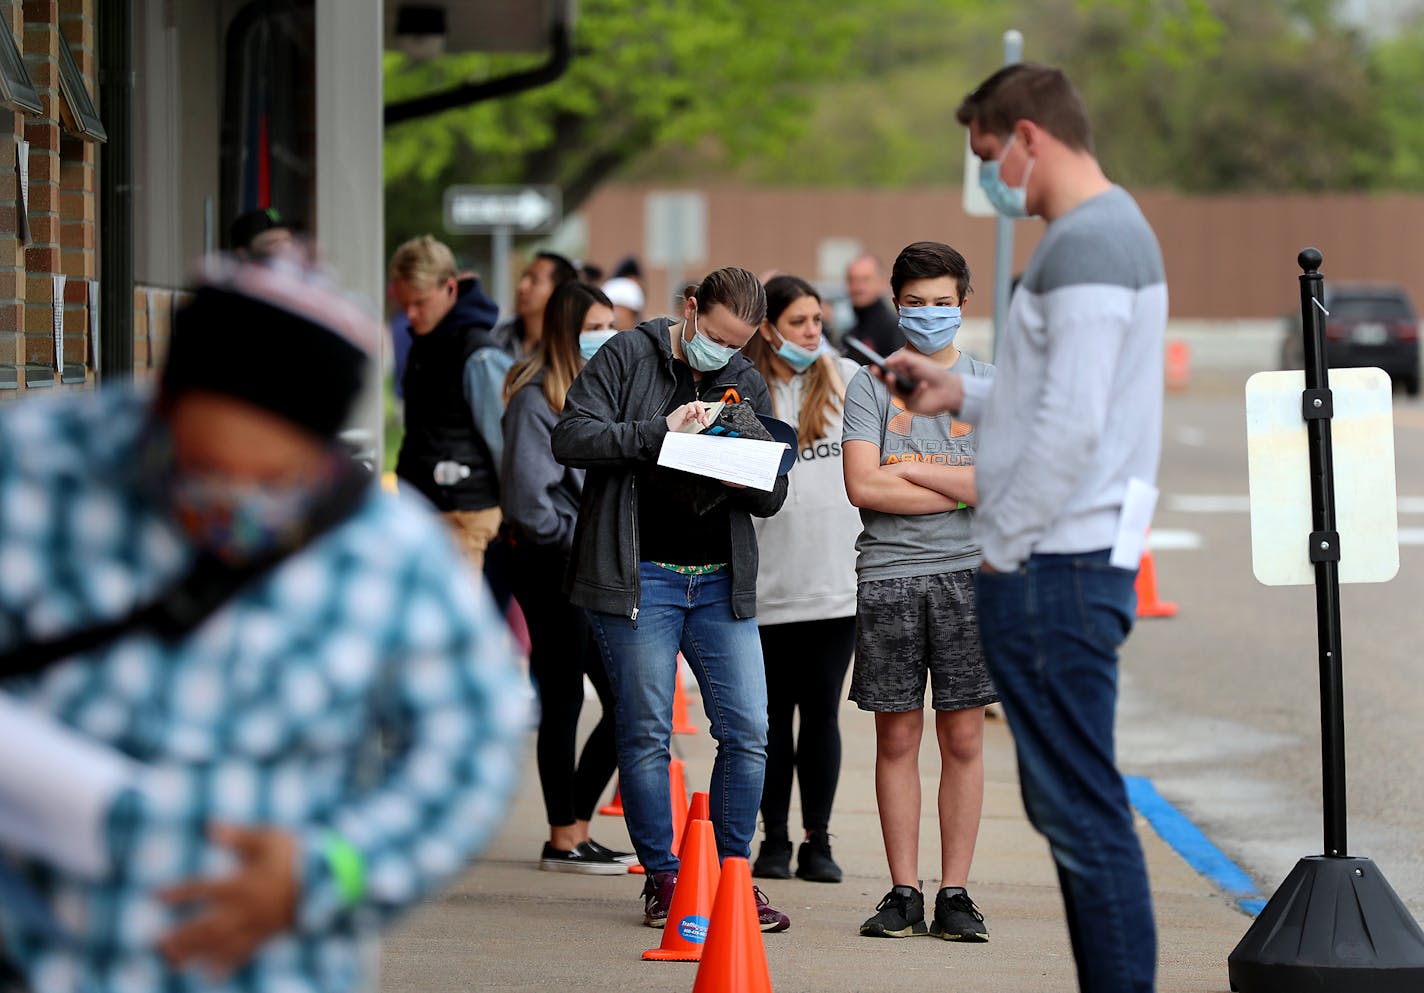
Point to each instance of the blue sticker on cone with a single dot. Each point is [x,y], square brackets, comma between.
[693,928]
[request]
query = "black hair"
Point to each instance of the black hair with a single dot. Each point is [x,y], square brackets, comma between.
[564,271]
[1029,92]
[930,260]
[782,291]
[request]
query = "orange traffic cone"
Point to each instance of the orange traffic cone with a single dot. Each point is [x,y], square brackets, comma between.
[733,959]
[686,930]
[697,810]
[681,722]
[614,807]
[1179,365]
[1147,603]
[677,793]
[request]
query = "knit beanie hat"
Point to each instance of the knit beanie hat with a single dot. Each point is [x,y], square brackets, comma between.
[274,335]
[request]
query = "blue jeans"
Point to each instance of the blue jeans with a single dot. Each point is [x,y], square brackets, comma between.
[1051,632]
[694,614]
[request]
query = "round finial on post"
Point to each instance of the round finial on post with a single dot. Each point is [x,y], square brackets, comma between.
[1310,259]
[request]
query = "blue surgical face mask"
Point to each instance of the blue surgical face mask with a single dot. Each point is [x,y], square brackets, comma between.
[929,329]
[592,341]
[798,358]
[704,354]
[1010,201]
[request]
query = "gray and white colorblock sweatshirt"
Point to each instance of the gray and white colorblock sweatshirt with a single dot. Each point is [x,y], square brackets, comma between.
[1075,409]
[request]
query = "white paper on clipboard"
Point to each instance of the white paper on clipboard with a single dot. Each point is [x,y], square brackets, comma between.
[736,460]
[1138,503]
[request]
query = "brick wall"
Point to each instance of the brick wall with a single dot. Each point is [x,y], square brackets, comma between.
[61,208]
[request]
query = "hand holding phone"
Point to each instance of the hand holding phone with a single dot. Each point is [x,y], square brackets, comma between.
[893,379]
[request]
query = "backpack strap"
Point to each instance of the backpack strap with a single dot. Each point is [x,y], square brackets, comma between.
[197,595]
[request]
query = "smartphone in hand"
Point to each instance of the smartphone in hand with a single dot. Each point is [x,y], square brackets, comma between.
[897,382]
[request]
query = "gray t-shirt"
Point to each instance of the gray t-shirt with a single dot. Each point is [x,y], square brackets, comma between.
[893,546]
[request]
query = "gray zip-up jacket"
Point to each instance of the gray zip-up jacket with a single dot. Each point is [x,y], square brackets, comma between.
[538,495]
[612,425]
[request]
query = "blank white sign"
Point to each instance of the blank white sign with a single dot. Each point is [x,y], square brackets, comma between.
[1366,510]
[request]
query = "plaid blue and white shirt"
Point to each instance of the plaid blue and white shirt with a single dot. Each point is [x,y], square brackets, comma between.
[266,715]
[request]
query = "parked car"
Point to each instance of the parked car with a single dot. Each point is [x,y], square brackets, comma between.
[1369,324]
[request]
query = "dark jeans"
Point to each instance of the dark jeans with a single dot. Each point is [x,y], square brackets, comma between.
[806,666]
[1051,633]
[562,651]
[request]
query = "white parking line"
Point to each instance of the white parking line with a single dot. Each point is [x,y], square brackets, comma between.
[1173,539]
[1240,503]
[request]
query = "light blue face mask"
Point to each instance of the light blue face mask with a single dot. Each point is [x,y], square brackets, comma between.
[1009,201]
[704,354]
[592,341]
[798,358]
[929,329]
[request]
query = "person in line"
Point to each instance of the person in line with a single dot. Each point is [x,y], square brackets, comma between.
[453,392]
[263,842]
[1071,432]
[913,479]
[806,590]
[627,297]
[260,234]
[545,273]
[875,322]
[665,560]
[540,500]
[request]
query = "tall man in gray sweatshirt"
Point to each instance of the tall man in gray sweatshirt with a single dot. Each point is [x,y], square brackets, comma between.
[1069,433]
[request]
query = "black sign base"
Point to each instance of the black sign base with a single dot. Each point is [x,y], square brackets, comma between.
[1334,926]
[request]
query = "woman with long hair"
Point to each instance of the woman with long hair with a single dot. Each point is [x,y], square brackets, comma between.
[540,500]
[806,597]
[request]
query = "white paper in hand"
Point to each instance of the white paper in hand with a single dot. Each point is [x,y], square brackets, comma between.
[736,460]
[56,790]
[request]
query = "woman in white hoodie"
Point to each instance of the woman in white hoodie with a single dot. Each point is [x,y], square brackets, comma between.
[806,593]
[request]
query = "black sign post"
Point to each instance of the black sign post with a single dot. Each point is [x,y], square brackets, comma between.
[1335,925]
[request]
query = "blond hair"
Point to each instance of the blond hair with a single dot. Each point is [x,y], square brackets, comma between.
[423,262]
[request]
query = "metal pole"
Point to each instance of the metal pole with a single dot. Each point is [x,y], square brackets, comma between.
[1317,409]
[116,243]
[1004,228]
[499,267]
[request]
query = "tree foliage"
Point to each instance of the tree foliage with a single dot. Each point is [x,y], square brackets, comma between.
[1198,95]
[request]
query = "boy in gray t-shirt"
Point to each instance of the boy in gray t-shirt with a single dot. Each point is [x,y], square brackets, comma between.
[912,476]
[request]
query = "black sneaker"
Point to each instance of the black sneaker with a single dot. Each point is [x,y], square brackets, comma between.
[956,918]
[579,860]
[610,854]
[771,919]
[901,914]
[773,861]
[657,897]
[814,862]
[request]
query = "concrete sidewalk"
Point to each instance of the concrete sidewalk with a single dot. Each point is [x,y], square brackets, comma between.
[508,926]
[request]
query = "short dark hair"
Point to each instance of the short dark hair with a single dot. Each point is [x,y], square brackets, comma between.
[930,260]
[1028,91]
[564,271]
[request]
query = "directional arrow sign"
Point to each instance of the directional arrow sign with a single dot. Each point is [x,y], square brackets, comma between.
[524,209]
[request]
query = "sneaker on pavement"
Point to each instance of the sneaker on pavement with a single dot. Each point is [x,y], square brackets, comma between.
[657,897]
[579,860]
[956,918]
[773,861]
[610,854]
[772,920]
[814,862]
[901,914]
